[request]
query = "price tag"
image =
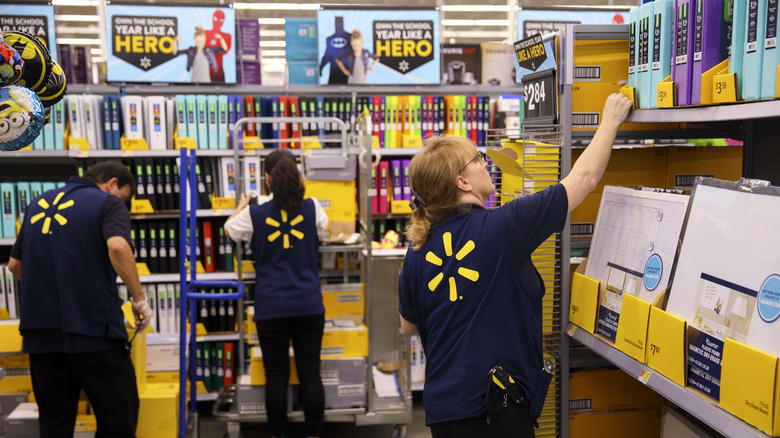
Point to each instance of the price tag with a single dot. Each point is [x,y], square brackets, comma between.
[571,329]
[137,144]
[541,98]
[724,88]
[218,204]
[82,154]
[142,269]
[141,206]
[665,97]
[127,153]
[644,376]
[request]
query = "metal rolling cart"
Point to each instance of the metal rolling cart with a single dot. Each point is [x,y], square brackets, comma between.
[386,342]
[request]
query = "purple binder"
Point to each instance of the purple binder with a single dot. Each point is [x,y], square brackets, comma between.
[682,50]
[710,42]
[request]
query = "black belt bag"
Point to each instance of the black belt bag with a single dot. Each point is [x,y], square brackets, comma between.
[507,405]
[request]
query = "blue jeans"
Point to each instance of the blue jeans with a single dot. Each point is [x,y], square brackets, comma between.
[306,335]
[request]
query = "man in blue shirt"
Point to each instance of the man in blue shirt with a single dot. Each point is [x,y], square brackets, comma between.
[73,242]
[468,285]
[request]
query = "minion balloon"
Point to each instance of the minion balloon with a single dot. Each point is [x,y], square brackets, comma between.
[21,117]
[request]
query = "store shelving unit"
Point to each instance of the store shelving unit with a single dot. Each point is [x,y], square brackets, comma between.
[753,122]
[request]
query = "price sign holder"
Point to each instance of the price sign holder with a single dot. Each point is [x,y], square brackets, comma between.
[541,97]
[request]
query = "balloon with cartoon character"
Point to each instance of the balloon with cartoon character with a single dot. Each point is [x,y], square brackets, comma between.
[21,117]
[11,65]
[37,61]
[55,87]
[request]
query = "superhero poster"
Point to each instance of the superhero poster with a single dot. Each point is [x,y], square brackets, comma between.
[37,20]
[170,44]
[384,46]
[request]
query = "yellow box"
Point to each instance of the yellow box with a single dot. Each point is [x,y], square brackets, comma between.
[85,423]
[162,377]
[583,307]
[345,342]
[666,345]
[257,370]
[10,338]
[609,56]
[631,337]
[250,328]
[609,390]
[749,386]
[587,101]
[343,298]
[15,361]
[708,89]
[138,357]
[667,93]
[336,197]
[635,424]
[16,380]
[158,415]
[684,163]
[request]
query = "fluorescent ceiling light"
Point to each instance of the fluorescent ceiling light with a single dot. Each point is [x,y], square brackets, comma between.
[475,8]
[96,59]
[76,18]
[75,2]
[90,30]
[271,21]
[502,23]
[474,34]
[80,41]
[278,6]
[96,51]
[272,53]
[271,33]
[273,44]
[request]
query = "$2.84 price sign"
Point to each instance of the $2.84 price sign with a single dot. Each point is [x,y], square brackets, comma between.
[540,96]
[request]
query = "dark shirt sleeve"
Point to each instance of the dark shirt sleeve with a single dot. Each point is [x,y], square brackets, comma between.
[115,220]
[16,250]
[532,219]
[371,55]
[405,303]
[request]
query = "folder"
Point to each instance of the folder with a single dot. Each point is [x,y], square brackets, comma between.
[222,123]
[217,373]
[372,191]
[154,258]
[132,111]
[252,177]
[170,125]
[230,307]
[171,201]
[284,133]
[159,186]
[228,177]
[91,120]
[682,70]
[249,111]
[23,198]
[258,113]
[116,121]
[753,60]
[192,117]
[384,178]
[36,189]
[201,114]
[643,75]
[228,247]
[397,171]
[208,247]
[633,44]
[219,264]
[173,247]
[75,123]
[204,196]
[320,113]
[208,176]
[58,118]
[771,54]
[737,47]
[181,116]
[295,131]
[663,40]
[163,320]
[229,364]
[151,188]
[710,44]
[407,190]
[155,122]
[173,306]
[221,315]
[8,206]
[163,261]
[108,120]
[142,245]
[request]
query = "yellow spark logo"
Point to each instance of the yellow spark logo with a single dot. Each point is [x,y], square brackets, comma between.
[469,274]
[57,217]
[285,237]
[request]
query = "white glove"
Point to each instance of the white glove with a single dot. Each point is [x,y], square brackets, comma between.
[143,314]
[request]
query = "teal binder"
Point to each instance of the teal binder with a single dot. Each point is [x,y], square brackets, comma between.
[644,76]
[663,38]
[752,63]
[771,56]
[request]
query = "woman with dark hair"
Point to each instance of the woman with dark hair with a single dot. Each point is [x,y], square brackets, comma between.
[283,230]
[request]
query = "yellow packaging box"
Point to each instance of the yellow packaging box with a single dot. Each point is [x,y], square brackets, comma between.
[343,298]
[16,380]
[631,337]
[587,101]
[749,386]
[685,163]
[85,424]
[162,377]
[345,342]
[138,357]
[15,361]
[645,423]
[158,415]
[257,370]
[10,338]
[609,390]
[600,61]
[583,305]
[666,346]
[337,198]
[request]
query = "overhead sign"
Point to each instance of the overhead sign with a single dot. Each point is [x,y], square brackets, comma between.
[36,20]
[546,21]
[378,46]
[170,44]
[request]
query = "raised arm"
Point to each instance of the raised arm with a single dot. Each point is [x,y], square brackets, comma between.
[589,168]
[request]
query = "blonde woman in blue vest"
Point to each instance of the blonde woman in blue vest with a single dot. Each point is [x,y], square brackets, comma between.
[283,231]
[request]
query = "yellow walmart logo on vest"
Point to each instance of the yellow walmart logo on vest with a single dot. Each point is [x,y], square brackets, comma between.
[60,219]
[285,237]
[466,273]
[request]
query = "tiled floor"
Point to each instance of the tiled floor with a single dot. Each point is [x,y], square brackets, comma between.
[211,427]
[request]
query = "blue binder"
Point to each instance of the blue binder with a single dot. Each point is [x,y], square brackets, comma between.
[771,52]
[663,38]
[752,63]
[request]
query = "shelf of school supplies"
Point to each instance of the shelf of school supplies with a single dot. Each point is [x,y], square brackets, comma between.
[174,278]
[716,113]
[222,337]
[700,407]
[174,214]
[33,154]
[171,89]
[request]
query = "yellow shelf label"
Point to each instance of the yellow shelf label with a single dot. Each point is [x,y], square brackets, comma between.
[724,88]
[136,144]
[218,203]
[141,206]
[644,376]
[143,269]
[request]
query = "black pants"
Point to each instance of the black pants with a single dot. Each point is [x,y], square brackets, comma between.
[306,335]
[108,379]
[510,422]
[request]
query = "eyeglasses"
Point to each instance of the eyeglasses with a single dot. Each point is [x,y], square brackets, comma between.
[481,156]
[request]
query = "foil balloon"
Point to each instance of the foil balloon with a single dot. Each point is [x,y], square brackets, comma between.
[21,117]
[11,65]
[55,87]
[37,61]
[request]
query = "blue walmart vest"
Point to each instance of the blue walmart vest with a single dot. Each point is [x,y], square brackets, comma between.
[68,282]
[286,250]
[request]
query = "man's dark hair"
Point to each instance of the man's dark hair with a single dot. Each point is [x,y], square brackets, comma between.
[105,170]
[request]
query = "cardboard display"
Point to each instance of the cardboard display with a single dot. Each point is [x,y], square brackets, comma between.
[584,302]
[631,337]
[666,347]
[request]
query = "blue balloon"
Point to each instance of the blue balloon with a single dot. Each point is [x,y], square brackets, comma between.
[21,117]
